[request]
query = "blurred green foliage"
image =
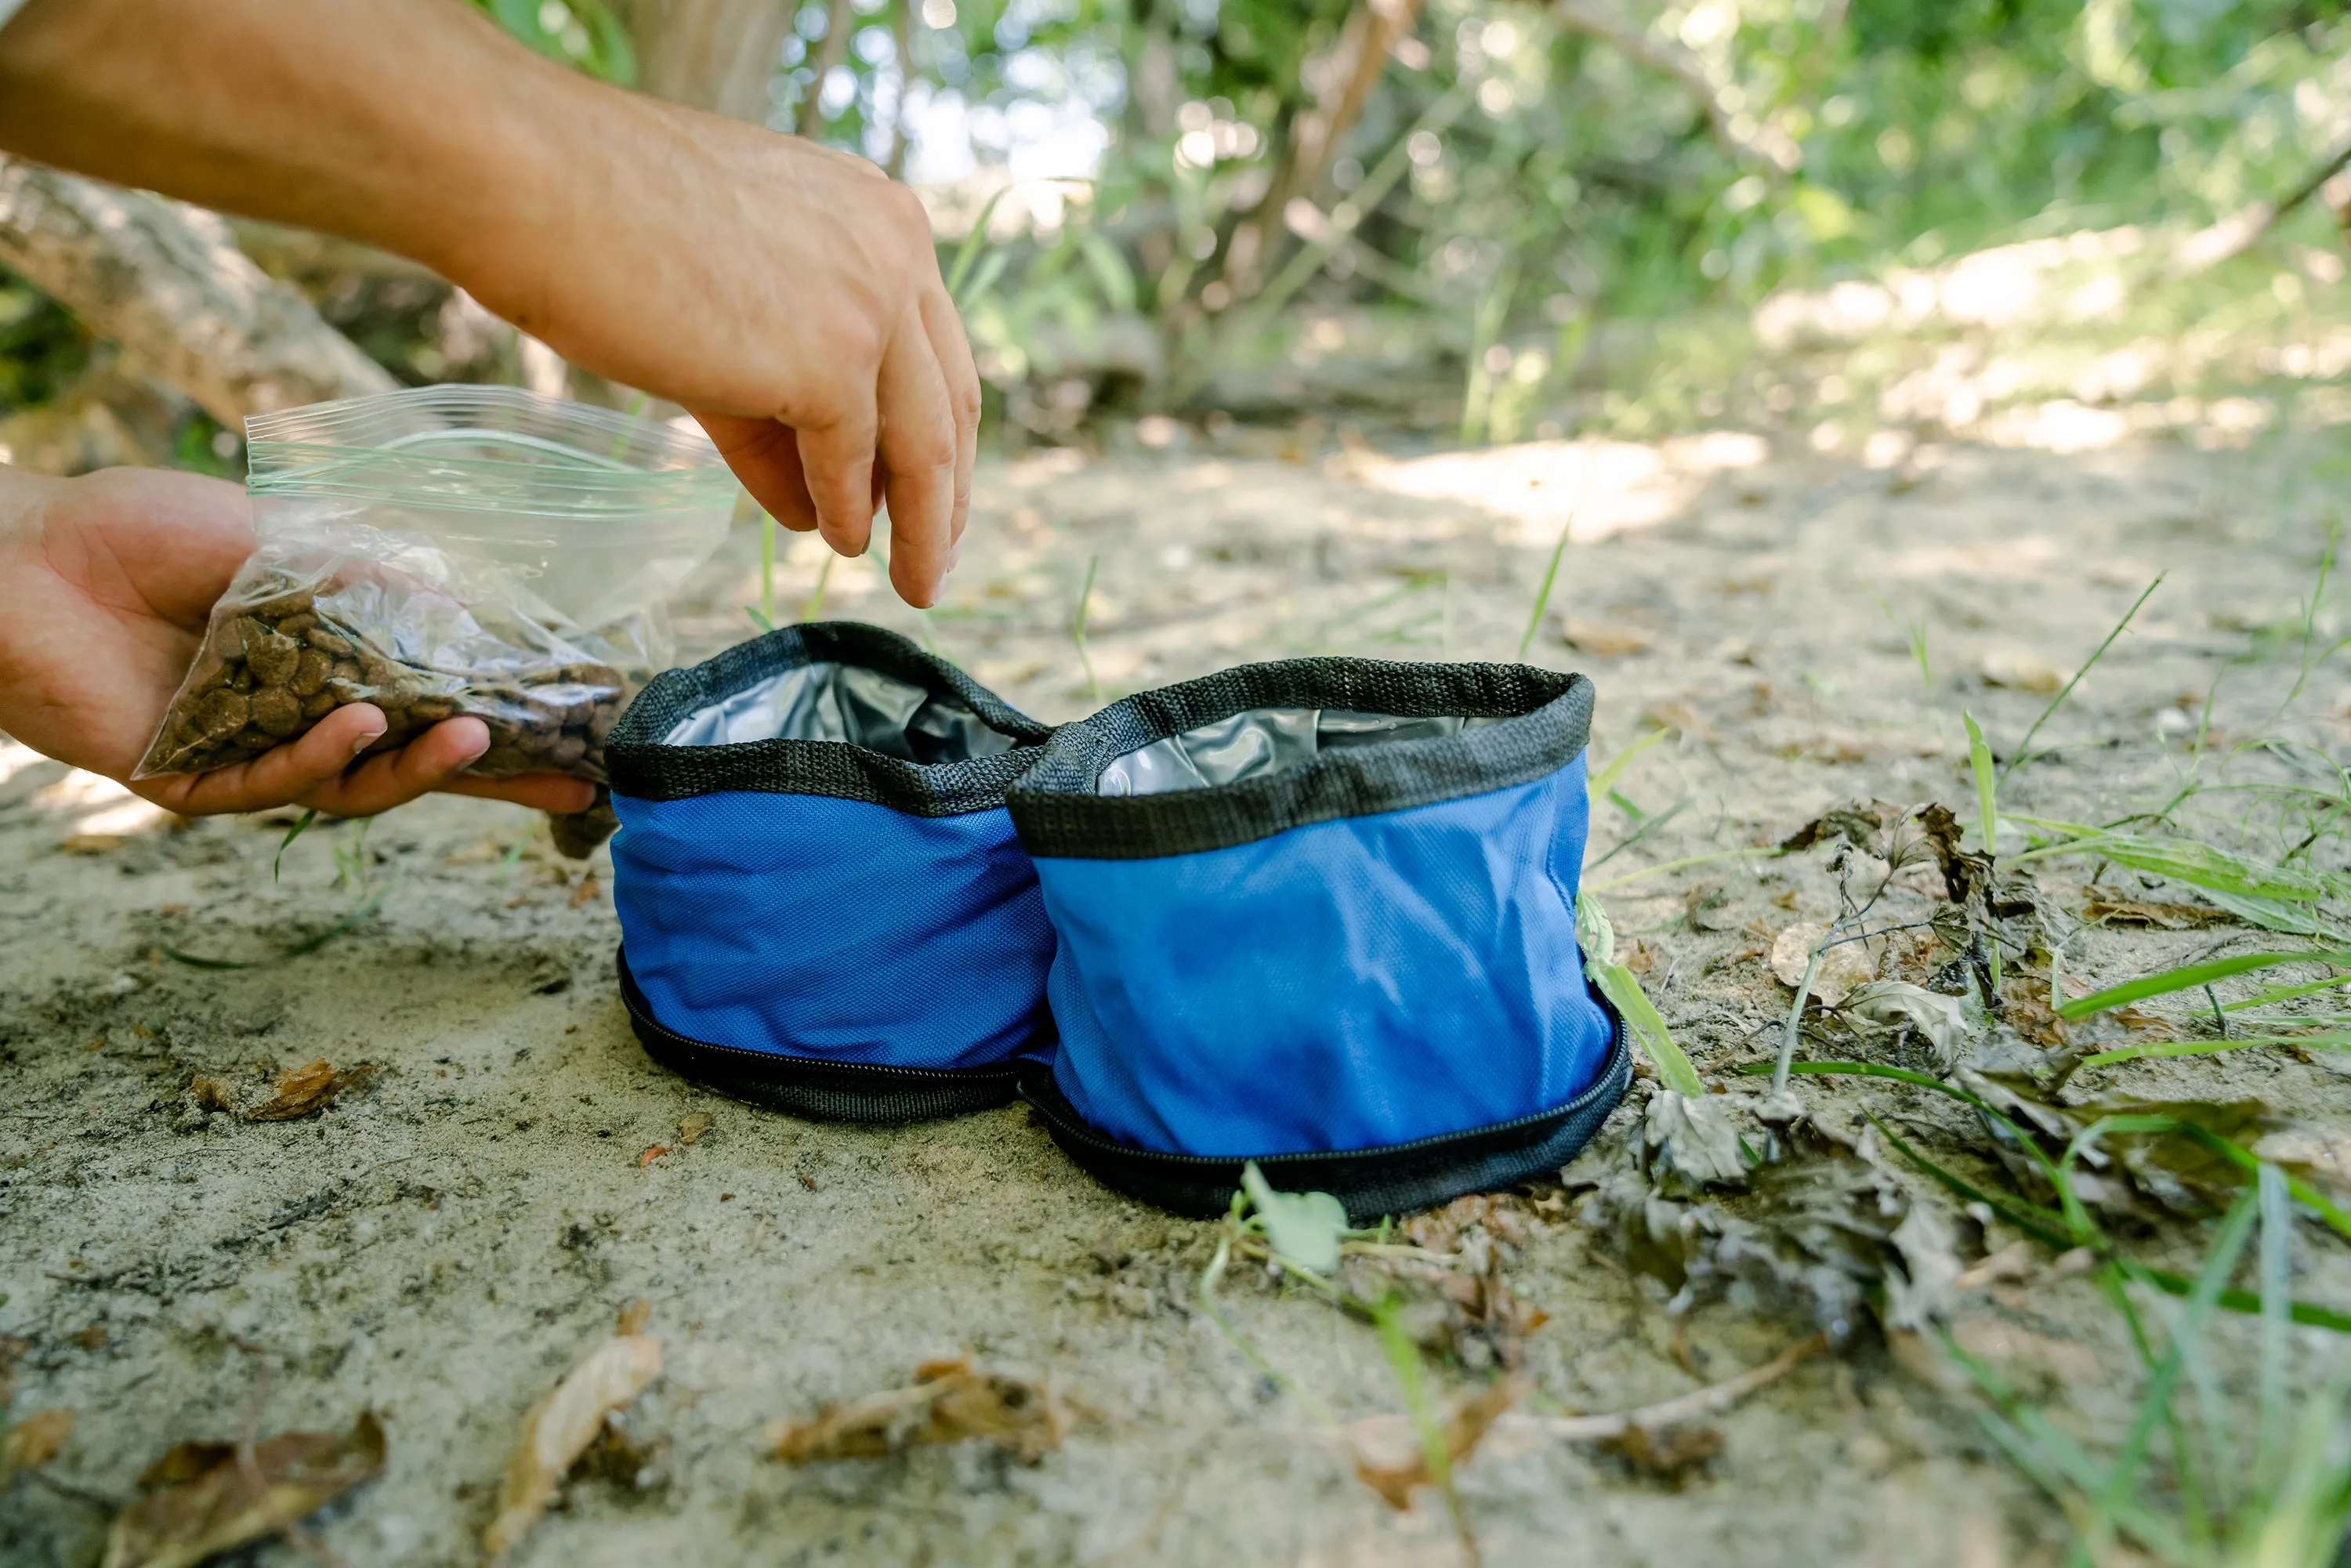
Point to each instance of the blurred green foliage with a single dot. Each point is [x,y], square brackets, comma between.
[1704,153]
[42,347]
[585,34]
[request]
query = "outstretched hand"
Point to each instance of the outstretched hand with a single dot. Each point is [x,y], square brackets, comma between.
[105,583]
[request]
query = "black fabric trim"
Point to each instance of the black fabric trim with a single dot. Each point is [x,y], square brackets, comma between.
[1395,1180]
[1059,813]
[818,1091]
[643,768]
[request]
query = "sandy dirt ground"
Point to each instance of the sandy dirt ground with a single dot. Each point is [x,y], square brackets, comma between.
[461,1226]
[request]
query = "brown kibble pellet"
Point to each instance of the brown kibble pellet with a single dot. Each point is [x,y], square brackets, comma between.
[272,658]
[296,625]
[276,712]
[284,605]
[326,642]
[221,715]
[309,676]
[320,704]
[565,754]
[431,710]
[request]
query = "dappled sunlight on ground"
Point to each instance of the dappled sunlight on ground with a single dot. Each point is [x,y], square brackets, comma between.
[1599,488]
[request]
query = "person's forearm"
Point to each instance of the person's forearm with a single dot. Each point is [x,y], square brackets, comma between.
[413,125]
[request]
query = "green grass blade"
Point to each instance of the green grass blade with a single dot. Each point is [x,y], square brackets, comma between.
[2191,976]
[1623,989]
[2155,1403]
[2023,747]
[2289,919]
[2199,865]
[2275,1274]
[2269,994]
[301,825]
[2335,1039]
[1608,777]
[308,944]
[768,526]
[1542,594]
[815,605]
[1078,629]
[974,243]
[1987,786]
[2035,1221]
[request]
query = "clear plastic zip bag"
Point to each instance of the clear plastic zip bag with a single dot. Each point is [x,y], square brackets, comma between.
[445,552]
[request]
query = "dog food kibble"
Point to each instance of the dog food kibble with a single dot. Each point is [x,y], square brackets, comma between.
[271,673]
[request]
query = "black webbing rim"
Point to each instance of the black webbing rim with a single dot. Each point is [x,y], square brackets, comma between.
[818,1091]
[1370,1182]
[642,767]
[1056,807]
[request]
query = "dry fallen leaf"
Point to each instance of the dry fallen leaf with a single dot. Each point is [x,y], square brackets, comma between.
[2022,672]
[212,1094]
[2105,909]
[948,1402]
[561,1426]
[306,1089]
[1471,1419]
[34,1441]
[692,1125]
[204,1498]
[1607,642]
[1843,966]
[1669,1452]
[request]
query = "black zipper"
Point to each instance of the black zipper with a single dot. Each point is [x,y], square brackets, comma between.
[1389,1179]
[808,1086]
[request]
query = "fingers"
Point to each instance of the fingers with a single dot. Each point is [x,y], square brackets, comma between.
[284,774]
[944,328]
[920,450]
[396,778]
[766,458]
[554,792]
[317,769]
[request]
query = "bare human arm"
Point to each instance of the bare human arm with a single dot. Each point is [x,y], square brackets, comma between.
[788,295]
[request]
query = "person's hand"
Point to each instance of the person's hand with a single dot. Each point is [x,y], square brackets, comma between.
[105,585]
[786,294]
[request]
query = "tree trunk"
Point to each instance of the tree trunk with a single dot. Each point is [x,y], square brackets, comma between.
[716,55]
[166,282]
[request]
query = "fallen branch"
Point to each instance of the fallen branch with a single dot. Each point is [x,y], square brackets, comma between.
[167,283]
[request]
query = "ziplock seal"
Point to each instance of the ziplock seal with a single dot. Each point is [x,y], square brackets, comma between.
[1059,814]
[818,1091]
[1394,1179]
[643,766]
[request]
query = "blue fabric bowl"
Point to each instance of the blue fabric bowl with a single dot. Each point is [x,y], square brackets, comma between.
[823,906]
[1320,914]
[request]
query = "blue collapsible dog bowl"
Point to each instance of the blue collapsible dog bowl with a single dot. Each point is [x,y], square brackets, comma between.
[823,907]
[1320,914]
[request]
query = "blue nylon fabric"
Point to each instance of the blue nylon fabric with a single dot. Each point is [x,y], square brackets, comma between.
[1341,985]
[834,929]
